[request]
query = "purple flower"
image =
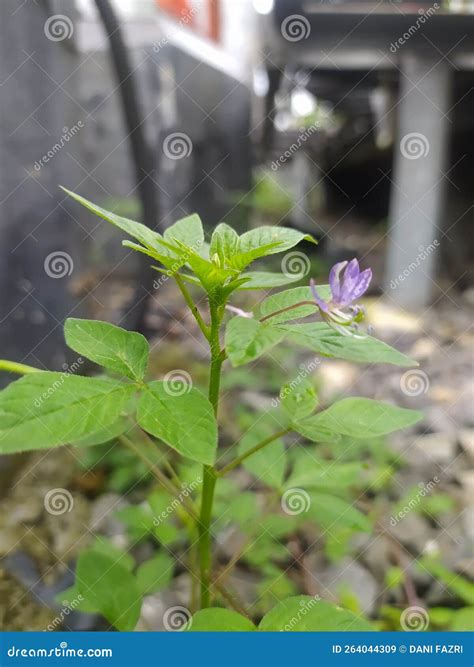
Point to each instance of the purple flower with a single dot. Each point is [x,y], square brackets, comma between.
[345,291]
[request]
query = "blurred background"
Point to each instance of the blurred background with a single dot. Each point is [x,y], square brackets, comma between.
[353,121]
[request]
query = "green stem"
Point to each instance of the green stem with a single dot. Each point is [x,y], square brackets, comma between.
[236,462]
[209,472]
[19,369]
[192,306]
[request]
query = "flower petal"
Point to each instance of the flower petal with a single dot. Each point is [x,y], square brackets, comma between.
[322,305]
[362,284]
[335,281]
[349,281]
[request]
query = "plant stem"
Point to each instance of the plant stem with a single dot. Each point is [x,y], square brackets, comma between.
[19,369]
[284,310]
[192,306]
[158,474]
[209,473]
[236,462]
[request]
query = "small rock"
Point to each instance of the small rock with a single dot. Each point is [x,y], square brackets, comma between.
[377,556]
[436,447]
[466,439]
[103,520]
[351,575]
[412,531]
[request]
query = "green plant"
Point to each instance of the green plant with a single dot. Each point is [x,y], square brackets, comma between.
[173,427]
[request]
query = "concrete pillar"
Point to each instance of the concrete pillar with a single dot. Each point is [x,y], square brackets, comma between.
[421,152]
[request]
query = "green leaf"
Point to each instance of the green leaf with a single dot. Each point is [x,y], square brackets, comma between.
[185,422]
[47,409]
[359,418]
[298,398]
[110,588]
[278,239]
[137,230]
[188,231]
[104,434]
[247,339]
[104,546]
[269,463]
[289,298]
[304,613]
[224,243]
[324,340]
[137,519]
[123,352]
[215,619]
[463,620]
[266,280]
[155,574]
[330,511]
[72,598]
[456,584]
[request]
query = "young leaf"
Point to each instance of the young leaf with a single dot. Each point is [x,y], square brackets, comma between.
[110,588]
[320,338]
[247,339]
[137,230]
[187,231]
[155,574]
[304,613]
[123,352]
[289,298]
[224,243]
[298,399]
[359,418]
[278,239]
[47,409]
[185,422]
[215,619]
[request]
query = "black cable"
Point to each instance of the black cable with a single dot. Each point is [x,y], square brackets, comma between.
[134,122]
